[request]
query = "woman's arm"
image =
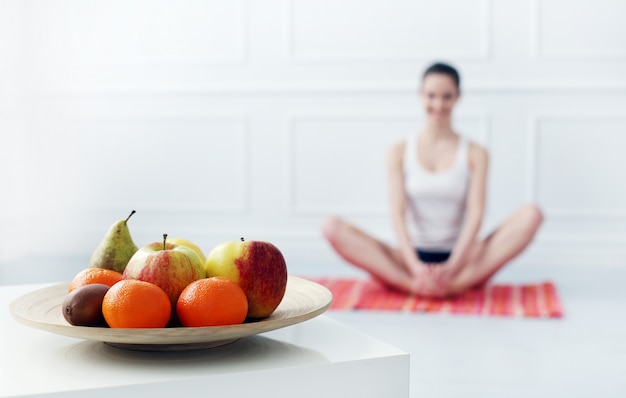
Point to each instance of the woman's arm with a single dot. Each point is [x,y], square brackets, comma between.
[475,206]
[397,202]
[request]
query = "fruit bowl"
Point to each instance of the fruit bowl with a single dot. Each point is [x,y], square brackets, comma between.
[41,309]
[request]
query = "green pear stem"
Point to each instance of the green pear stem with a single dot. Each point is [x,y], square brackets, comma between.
[164,238]
[131,214]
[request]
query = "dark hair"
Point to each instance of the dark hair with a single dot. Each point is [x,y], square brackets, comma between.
[444,69]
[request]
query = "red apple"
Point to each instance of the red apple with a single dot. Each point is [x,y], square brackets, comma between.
[257,266]
[171,267]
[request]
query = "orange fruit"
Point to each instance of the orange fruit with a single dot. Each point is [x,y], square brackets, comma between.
[133,303]
[214,301]
[90,276]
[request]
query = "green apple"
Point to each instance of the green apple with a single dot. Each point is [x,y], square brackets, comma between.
[171,267]
[257,266]
[189,244]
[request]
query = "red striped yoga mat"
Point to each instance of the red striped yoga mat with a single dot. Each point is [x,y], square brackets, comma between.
[515,300]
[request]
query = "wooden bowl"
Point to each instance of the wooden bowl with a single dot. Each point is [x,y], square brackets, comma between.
[41,309]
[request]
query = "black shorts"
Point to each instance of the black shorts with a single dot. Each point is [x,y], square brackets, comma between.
[429,256]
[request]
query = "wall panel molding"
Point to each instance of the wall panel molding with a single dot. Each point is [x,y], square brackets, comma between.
[533,148]
[312,210]
[354,88]
[580,53]
[350,56]
[201,204]
[140,34]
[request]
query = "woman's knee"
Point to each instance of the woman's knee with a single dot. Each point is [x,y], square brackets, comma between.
[332,227]
[532,215]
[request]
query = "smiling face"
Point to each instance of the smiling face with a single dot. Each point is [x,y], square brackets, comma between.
[439,94]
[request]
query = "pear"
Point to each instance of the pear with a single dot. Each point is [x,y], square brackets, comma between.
[115,249]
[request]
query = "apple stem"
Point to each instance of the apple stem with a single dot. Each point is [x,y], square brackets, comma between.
[242,238]
[164,239]
[131,214]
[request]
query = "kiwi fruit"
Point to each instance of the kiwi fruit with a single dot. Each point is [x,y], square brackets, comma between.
[83,305]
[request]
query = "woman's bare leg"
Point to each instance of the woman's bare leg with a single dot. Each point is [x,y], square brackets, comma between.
[504,244]
[367,253]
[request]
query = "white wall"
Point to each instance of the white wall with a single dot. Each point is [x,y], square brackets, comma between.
[221,119]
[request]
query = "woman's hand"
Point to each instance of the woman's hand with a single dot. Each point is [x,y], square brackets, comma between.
[425,279]
[435,279]
[443,275]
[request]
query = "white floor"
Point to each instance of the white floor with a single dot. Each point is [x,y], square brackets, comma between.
[580,355]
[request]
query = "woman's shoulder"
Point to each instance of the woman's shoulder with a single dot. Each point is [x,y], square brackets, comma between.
[397,149]
[478,154]
[395,152]
[397,146]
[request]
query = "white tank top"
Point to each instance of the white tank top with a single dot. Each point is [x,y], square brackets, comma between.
[435,200]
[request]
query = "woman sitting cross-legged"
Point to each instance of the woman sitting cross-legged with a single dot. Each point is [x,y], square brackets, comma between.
[437,189]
